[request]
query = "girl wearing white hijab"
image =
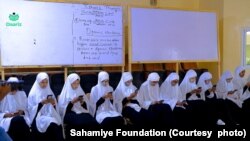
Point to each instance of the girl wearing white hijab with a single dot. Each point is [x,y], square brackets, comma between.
[101,99]
[14,116]
[74,105]
[126,103]
[241,84]
[171,94]
[196,105]
[45,120]
[189,88]
[207,88]
[217,106]
[225,90]
[149,98]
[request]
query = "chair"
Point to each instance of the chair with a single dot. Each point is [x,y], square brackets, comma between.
[137,67]
[4,90]
[138,78]
[114,79]
[169,68]
[181,75]
[88,81]
[56,83]
[29,80]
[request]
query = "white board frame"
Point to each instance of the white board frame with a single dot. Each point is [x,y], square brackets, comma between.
[143,55]
[119,62]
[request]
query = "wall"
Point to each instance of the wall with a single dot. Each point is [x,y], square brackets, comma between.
[236,17]
[216,6]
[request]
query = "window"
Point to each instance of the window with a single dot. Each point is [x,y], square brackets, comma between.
[246,47]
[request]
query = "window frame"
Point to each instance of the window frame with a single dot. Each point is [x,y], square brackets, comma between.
[245,33]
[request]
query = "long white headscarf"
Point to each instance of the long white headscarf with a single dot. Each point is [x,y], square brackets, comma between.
[106,109]
[47,113]
[186,86]
[239,82]
[223,87]
[11,103]
[122,91]
[204,87]
[171,94]
[68,94]
[147,93]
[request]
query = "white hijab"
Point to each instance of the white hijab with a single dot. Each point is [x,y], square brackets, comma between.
[186,86]
[223,87]
[147,93]
[47,113]
[204,87]
[122,91]
[68,94]
[106,109]
[11,103]
[171,94]
[239,82]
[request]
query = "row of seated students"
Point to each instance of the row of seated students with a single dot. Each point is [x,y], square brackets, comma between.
[89,79]
[169,105]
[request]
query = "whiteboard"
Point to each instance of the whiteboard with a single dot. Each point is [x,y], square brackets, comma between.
[173,35]
[60,34]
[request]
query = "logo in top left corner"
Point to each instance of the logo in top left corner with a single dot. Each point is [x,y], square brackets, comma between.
[13,16]
[13,20]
